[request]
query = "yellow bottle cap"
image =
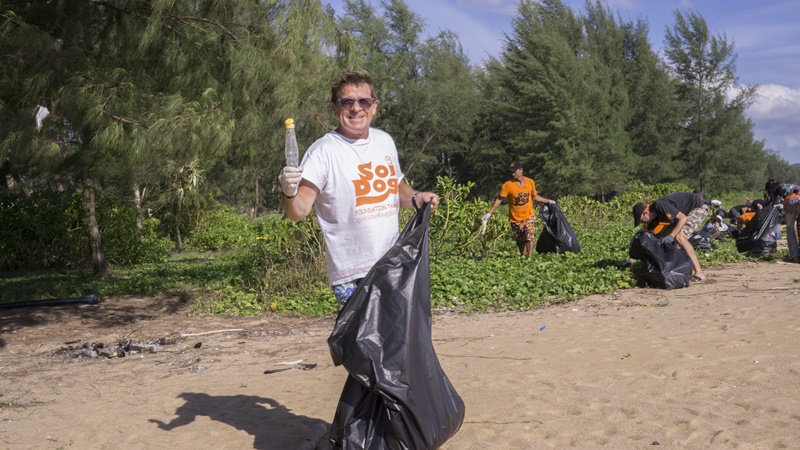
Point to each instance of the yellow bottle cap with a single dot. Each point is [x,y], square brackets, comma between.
[289,123]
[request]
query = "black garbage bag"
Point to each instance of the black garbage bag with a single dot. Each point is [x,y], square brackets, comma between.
[702,240]
[664,267]
[558,236]
[760,236]
[396,395]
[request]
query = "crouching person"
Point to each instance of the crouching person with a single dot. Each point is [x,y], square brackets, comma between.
[675,217]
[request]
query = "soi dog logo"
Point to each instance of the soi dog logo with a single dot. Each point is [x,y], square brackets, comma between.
[375,185]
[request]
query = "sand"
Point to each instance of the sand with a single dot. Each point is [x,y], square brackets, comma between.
[713,365]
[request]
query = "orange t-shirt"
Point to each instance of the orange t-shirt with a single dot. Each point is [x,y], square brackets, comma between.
[520,199]
[745,218]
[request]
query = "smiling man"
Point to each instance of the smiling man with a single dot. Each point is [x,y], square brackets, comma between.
[352,177]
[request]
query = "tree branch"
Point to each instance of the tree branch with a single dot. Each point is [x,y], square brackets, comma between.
[204,20]
[177,18]
[120,118]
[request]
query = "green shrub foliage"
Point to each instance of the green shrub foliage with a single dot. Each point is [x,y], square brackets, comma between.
[42,232]
[46,231]
[273,265]
[221,229]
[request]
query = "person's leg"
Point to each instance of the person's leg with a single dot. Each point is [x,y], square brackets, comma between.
[694,219]
[343,291]
[519,236]
[790,213]
[523,234]
[683,241]
[529,235]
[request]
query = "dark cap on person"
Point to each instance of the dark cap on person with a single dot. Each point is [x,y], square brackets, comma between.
[514,166]
[638,209]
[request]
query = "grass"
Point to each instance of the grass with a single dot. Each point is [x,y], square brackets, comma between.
[501,282]
[469,272]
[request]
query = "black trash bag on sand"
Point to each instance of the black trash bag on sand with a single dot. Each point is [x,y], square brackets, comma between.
[396,395]
[558,236]
[702,241]
[760,236]
[664,267]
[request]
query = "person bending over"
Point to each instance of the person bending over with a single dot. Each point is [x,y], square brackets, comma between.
[680,213]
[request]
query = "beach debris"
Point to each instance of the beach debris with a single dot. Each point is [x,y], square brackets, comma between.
[544,327]
[289,363]
[120,350]
[307,366]
[41,113]
[87,300]
[230,330]
[191,366]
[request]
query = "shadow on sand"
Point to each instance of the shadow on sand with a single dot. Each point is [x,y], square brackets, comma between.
[272,425]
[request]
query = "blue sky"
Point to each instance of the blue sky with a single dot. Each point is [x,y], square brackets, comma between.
[766,35]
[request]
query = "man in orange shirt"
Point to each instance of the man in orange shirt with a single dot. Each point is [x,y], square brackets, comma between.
[521,193]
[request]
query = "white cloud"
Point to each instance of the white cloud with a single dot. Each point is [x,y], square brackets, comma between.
[776,115]
[502,6]
[623,4]
[776,102]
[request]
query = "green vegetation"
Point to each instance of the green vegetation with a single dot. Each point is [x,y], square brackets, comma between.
[280,266]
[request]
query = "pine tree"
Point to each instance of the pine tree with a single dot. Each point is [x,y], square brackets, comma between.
[717,137]
[545,76]
[158,95]
[607,108]
[655,109]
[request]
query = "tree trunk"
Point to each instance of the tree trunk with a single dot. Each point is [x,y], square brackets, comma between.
[137,201]
[178,240]
[99,264]
[255,200]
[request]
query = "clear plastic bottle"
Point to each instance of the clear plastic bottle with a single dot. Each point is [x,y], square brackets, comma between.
[292,152]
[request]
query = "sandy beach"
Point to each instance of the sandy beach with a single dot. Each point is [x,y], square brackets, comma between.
[713,365]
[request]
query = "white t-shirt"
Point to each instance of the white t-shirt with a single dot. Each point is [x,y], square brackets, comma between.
[358,201]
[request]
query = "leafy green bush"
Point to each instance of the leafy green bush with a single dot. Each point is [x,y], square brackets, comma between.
[221,229]
[47,231]
[283,271]
[42,232]
[277,266]
[119,236]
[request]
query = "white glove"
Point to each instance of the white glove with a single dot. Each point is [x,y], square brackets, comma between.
[485,217]
[552,203]
[290,179]
[716,203]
